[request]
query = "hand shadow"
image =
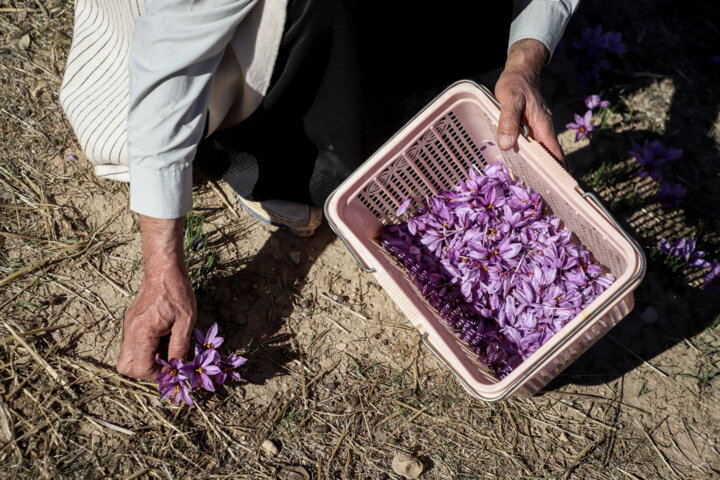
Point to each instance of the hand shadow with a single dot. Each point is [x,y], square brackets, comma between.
[259,297]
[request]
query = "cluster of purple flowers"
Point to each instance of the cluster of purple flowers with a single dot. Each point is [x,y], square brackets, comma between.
[503,274]
[651,156]
[592,51]
[583,125]
[684,249]
[177,379]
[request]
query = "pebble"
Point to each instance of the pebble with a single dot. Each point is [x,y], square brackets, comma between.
[649,315]
[380,436]
[294,257]
[293,473]
[563,437]
[354,400]
[407,465]
[270,447]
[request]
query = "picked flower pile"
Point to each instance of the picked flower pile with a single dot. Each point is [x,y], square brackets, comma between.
[503,274]
[178,379]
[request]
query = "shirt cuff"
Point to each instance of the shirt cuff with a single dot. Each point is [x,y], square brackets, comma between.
[542,20]
[165,194]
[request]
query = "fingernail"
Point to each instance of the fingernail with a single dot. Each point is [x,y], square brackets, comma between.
[505,141]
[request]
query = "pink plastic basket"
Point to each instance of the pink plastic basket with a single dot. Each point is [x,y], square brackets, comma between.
[431,153]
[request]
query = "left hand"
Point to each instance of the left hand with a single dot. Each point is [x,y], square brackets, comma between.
[518,90]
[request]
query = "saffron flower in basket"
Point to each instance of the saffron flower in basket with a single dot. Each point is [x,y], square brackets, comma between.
[499,269]
[178,379]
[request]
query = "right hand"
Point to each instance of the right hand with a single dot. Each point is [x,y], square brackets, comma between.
[165,303]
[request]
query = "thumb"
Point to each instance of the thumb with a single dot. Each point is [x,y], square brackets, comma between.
[509,124]
[180,339]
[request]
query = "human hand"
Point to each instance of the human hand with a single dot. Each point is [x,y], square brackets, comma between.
[165,302]
[518,90]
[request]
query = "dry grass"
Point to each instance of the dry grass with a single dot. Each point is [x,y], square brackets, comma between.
[339,398]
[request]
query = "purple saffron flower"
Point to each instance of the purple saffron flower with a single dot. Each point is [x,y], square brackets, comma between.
[712,279]
[671,195]
[171,374]
[594,101]
[178,391]
[227,368]
[613,43]
[72,157]
[651,156]
[403,207]
[211,341]
[582,125]
[684,248]
[201,368]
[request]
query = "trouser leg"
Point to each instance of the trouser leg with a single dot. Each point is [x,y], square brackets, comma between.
[306,137]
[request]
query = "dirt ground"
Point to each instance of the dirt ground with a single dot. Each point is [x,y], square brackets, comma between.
[337,377]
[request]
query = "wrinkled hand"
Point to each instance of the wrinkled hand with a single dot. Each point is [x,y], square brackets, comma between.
[518,90]
[165,303]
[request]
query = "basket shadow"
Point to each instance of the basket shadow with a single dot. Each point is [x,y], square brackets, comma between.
[253,304]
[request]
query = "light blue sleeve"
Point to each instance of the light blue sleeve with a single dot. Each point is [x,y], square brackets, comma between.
[542,20]
[176,48]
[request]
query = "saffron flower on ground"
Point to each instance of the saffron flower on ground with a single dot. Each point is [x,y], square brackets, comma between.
[201,368]
[210,341]
[594,101]
[684,248]
[592,50]
[712,279]
[177,379]
[582,125]
[671,195]
[172,373]
[177,392]
[227,368]
[651,156]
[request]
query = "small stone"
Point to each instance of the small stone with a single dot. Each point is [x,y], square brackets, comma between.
[649,315]
[270,447]
[293,473]
[321,429]
[407,465]
[294,257]
[563,437]
[380,436]
[385,341]
[354,400]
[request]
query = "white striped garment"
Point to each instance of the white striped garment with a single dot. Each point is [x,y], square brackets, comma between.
[95,88]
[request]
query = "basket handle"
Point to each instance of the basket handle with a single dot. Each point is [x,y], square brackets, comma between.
[362,263]
[491,96]
[447,365]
